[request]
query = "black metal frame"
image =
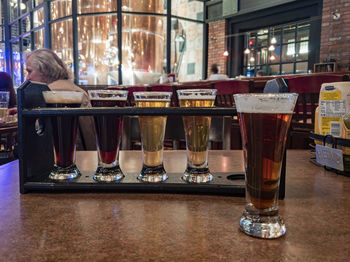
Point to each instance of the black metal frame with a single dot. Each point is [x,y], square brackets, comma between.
[36,156]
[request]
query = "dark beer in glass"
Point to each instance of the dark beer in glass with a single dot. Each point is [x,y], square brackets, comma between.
[197,134]
[152,136]
[264,121]
[108,134]
[64,132]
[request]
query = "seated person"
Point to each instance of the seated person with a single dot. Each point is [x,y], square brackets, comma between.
[215,73]
[6,84]
[43,65]
[260,73]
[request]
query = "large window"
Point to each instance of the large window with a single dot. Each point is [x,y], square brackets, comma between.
[277,50]
[107,42]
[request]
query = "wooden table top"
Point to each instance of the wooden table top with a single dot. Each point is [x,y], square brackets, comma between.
[174,227]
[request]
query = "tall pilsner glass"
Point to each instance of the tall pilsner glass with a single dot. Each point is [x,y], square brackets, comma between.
[108,134]
[152,135]
[64,132]
[264,121]
[197,133]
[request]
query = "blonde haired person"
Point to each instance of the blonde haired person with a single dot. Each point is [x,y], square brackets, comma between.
[43,65]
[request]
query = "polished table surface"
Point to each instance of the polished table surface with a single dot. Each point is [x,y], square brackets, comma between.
[173,227]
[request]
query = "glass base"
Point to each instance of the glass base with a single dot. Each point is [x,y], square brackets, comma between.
[262,226]
[197,175]
[66,173]
[153,174]
[108,174]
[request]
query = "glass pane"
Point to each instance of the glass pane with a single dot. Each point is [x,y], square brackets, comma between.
[302,50]
[17,65]
[288,52]
[276,33]
[187,9]
[275,69]
[303,32]
[262,38]
[144,48]
[61,8]
[62,41]
[26,44]
[24,6]
[186,50]
[98,50]
[275,56]
[2,32]
[301,67]
[38,17]
[39,39]
[288,68]
[25,24]
[38,2]
[155,6]
[251,59]
[262,56]
[289,34]
[13,10]
[15,30]
[2,57]
[88,6]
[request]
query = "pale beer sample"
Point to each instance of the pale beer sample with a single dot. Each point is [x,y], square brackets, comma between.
[197,134]
[152,135]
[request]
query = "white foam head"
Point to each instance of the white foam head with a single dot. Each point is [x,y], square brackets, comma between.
[266,103]
[63,97]
[115,95]
[152,96]
[197,94]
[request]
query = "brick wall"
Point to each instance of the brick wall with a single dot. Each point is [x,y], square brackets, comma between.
[217,45]
[335,34]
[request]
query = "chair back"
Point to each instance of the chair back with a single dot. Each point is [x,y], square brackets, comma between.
[227,88]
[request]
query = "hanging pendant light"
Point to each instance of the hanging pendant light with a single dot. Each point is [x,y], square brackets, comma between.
[271,48]
[247,50]
[273,39]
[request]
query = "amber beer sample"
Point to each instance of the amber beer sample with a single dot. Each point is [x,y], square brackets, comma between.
[4,102]
[264,158]
[197,133]
[264,121]
[152,135]
[108,134]
[64,132]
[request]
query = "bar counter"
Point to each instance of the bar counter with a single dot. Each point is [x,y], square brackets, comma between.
[173,227]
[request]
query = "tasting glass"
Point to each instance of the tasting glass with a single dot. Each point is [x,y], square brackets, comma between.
[264,121]
[64,131]
[108,134]
[4,103]
[152,135]
[197,133]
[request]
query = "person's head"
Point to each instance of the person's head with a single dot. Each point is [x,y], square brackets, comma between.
[43,65]
[5,81]
[214,69]
[260,73]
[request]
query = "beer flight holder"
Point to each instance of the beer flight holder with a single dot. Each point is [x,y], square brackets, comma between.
[36,157]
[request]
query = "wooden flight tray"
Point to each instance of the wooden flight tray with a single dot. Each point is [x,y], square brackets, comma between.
[36,157]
